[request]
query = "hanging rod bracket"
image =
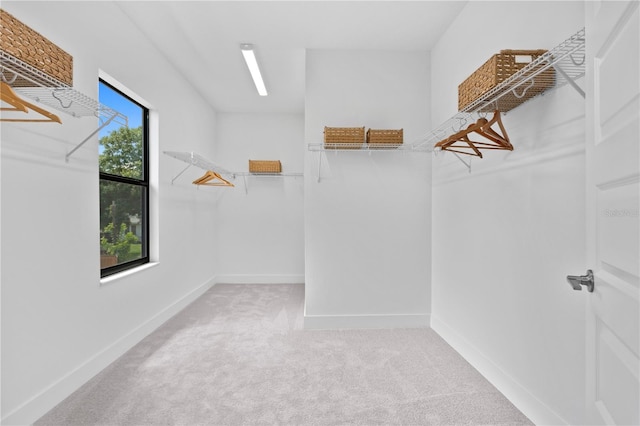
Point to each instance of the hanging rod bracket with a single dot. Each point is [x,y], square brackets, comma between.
[54,95]
[10,81]
[532,83]
[578,63]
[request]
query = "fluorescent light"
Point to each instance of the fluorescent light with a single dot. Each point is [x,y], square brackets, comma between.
[250,59]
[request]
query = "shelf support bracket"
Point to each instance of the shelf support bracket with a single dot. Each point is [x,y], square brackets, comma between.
[573,84]
[106,123]
[319,165]
[246,188]
[181,172]
[464,162]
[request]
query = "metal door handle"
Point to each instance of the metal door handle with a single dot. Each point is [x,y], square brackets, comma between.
[577,281]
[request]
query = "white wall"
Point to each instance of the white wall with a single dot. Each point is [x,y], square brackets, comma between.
[516,221]
[506,235]
[368,221]
[60,326]
[260,232]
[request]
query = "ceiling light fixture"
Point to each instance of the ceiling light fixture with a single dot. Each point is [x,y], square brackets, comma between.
[250,59]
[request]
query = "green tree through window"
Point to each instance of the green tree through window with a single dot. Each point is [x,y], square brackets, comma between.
[124,185]
[122,152]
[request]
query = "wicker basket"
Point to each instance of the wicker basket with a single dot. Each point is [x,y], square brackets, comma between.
[496,70]
[25,44]
[343,137]
[384,137]
[265,166]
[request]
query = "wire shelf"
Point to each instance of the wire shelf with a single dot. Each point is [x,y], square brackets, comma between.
[281,174]
[40,87]
[197,160]
[32,83]
[378,147]
[567,59]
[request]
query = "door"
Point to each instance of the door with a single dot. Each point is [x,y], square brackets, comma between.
[613,186]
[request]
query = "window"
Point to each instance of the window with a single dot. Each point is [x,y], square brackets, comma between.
[124,184]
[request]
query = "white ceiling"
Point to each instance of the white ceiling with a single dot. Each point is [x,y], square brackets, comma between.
[202,39]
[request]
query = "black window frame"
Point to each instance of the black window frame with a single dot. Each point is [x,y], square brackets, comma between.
[143,183]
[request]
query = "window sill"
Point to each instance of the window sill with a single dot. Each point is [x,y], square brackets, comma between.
[126,274]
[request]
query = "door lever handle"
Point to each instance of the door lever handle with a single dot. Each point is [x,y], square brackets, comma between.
[577,281]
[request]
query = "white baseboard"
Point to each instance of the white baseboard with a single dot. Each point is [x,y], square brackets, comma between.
[319,322]
[538,412]
[259,279]
[40,404]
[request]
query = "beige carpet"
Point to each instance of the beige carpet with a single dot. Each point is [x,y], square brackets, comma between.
[239,356]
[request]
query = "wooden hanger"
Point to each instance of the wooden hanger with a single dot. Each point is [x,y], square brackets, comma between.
[16,104]
[212,179]
[489,133]
[461,143]
[7,95]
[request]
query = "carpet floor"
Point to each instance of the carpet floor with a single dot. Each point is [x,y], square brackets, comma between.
[239,356]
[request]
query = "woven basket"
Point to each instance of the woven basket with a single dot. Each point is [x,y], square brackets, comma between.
[25,44]
[496,70]
[265,166]
[384,137]
[343,137]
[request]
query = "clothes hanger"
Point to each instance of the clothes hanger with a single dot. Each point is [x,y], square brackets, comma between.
[494,140]
[211,178]
[217,180]
[460,140]
[10,97]
[489,133]
[15,103]
[207,176]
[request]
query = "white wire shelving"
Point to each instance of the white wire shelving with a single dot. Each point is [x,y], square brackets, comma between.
[364,147]
[567,60]
[32,83]
[197,160]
